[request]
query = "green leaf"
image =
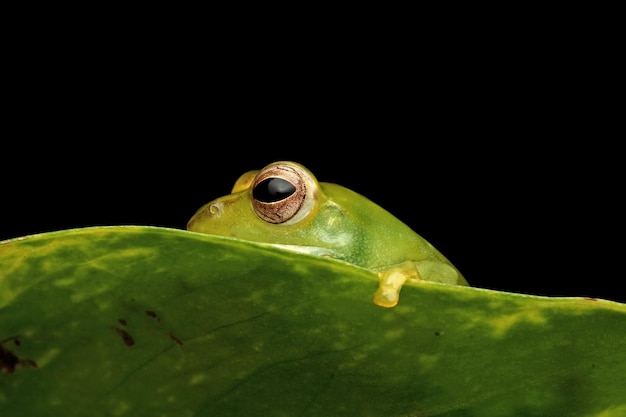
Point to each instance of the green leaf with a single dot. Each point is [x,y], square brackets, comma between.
[145,321]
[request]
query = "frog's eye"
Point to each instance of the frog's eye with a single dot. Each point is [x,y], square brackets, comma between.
[283,192]
[271,190]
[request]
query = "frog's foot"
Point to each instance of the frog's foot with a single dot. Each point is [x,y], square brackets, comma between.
[391,281]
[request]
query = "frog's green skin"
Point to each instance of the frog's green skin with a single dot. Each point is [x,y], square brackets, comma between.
[325,219]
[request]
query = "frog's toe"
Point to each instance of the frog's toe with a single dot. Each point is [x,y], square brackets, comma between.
[386,297]
[391,281]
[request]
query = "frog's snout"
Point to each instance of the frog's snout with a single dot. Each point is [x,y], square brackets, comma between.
[210,211]
[215,209]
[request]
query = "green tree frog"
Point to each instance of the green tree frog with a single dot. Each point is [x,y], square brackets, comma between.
[283,204]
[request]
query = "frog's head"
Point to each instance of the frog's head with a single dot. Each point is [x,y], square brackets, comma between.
[265,205]
[284,205]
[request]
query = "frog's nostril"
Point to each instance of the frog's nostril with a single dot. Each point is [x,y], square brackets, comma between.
[215,209]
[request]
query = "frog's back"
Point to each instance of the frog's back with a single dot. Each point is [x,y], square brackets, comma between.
[384,239]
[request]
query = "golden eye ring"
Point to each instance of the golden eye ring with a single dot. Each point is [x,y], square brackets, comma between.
[283,192]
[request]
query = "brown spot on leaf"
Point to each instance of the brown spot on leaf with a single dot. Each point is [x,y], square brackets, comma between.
[123,322]
[590,298]
[126,337]
[151,314]
[28,363]
[9,360]
[176,340]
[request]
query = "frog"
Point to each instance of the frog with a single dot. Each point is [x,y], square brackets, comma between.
[284,205]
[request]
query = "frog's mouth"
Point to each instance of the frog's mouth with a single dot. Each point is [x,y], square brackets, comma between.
[312,250]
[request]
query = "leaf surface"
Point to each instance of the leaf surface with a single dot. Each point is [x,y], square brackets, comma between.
[146,321]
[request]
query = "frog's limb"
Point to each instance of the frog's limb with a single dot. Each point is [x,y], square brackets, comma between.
[393,278]
[439,272]
[391,281]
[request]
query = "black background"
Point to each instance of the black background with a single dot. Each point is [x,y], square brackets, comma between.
[505,165]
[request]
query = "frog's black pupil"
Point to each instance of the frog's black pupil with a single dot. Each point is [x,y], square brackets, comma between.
[273,189]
